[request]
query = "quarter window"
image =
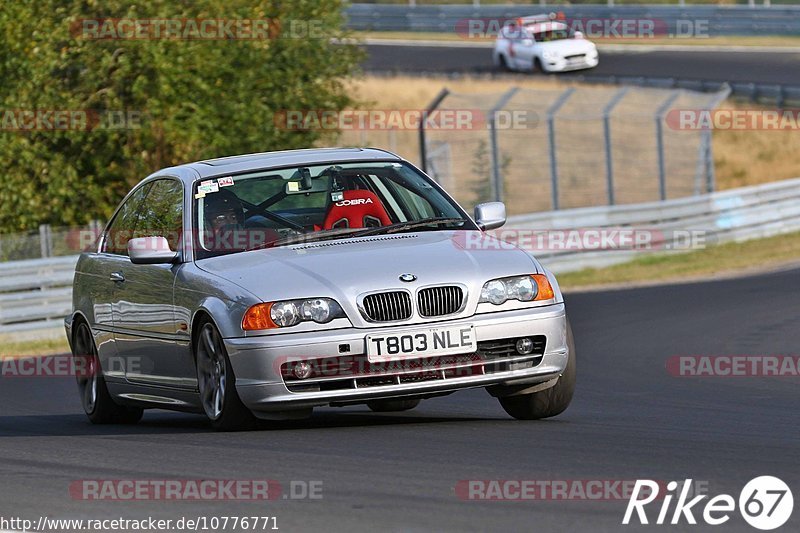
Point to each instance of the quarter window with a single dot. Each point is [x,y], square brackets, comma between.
[161,213]
[121,228]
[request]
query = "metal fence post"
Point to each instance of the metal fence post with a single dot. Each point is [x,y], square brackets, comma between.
[45,240]
[497,178]
[551,132]
[662,170]
[423,155]
[708,155]
[607,135]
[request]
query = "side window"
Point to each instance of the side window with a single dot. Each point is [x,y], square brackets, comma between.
[121,229]
[161,212]
[416,204]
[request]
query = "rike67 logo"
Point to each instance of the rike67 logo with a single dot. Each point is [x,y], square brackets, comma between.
[765,503]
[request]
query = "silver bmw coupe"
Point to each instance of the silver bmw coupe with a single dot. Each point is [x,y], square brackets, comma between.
[261,286]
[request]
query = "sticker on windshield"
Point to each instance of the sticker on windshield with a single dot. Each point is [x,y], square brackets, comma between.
[337,196]
[206,187]
[293,186]
[225,182]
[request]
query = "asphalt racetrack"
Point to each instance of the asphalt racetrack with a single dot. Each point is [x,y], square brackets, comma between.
[745,67]
[630,419]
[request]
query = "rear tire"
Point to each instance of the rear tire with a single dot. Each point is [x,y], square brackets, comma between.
[392,405]
[549,402]
[217,383]
[95,398]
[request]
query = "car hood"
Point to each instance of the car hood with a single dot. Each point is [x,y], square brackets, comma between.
[568,47]
[345,268]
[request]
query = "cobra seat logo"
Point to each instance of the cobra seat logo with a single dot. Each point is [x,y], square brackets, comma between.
[355,201]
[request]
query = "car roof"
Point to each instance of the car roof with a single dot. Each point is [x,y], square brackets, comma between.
[265,160]
[539,27]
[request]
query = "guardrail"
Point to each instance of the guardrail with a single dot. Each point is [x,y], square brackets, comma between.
[671,20]
[781,96]
[736,214]
[37,293]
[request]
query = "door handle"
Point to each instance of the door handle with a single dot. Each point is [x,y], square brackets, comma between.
[117,276]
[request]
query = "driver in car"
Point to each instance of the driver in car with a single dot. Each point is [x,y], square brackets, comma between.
[226,229]
[224,221]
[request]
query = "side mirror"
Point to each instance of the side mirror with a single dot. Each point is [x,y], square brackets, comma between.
[150,251]
[578,35]
[490,215]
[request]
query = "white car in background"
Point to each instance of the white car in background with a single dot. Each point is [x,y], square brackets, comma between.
[541,43]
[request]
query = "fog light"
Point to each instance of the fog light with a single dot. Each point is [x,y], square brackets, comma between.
[524,346]
[301,370]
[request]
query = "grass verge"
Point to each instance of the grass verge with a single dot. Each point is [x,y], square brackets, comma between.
[16,348]
[723,259]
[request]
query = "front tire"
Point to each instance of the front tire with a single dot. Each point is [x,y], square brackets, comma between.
[549,402]
[502,63]
[95,398]
[217,383]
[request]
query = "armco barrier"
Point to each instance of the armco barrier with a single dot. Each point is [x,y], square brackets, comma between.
[37,293]
[705,19]
[736,214]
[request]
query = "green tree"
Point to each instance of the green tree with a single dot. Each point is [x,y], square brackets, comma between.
[196,98]
[482,186]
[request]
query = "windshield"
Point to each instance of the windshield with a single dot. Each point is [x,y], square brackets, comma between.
[300,204]
[552,35]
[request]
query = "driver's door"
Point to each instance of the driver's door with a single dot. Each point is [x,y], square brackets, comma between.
[145,327]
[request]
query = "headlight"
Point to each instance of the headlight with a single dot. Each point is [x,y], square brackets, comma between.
[548,54]
[494,291]
[289,313]
[284,314]
[530,288]
[318,310]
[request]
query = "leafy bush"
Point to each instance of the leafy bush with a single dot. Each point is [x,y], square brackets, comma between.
[189,99]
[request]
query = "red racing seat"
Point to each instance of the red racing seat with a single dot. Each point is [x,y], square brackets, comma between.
[357,209]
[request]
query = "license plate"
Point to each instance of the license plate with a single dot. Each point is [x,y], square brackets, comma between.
[422,343]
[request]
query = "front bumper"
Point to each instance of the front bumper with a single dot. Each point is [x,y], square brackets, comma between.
[257,361]
[562,64]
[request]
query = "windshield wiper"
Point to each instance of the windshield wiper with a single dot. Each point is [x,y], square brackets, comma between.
[308,237]
[358,232]
[411,224]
